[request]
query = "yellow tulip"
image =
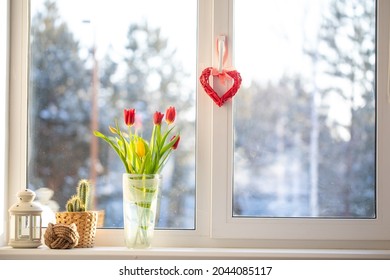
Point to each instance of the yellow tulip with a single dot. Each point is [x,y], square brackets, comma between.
[140,149]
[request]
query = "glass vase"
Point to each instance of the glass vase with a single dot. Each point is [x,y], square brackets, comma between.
[140,193]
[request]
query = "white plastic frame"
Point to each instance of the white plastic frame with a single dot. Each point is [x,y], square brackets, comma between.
[226,226]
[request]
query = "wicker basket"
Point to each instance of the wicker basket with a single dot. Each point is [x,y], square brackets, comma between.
[86,223]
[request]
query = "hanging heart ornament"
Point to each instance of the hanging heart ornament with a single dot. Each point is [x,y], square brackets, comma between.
[205,82]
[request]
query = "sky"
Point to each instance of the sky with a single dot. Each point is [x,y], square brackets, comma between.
[110,19]
[261,51]
[261,28]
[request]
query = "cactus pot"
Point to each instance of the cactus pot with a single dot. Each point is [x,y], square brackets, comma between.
[86,223]
[140,194]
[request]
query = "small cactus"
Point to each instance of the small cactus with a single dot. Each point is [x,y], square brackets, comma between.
[73,204]
[79,202]
[83,190]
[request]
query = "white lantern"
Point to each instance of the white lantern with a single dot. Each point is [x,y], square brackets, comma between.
[25,222]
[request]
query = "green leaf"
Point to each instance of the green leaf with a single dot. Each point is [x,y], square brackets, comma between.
[116,148]
[162,163]
[122,138]
[152,138]
[168,146]
[144,204]
[166,135]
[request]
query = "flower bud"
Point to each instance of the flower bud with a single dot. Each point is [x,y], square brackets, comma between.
[129,115]
[170,115]
[177,139]
[113,130]
[157,118]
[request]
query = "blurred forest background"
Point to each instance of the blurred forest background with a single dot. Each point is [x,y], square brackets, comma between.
[293,158]
[307,141]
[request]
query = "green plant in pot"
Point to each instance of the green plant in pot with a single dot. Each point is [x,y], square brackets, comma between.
[77,212]
[80,201]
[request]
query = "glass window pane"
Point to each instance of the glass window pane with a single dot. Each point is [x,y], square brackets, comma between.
[23,227]
[89,60]
[304,119]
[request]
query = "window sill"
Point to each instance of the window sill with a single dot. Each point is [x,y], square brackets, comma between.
[118,253]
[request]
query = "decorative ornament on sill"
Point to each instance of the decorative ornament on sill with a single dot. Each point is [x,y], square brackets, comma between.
[25,221]
[222,74]
[61,236]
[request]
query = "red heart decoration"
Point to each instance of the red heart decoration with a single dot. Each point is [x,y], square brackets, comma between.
[204,81]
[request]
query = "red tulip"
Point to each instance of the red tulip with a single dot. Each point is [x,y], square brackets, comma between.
[170,115]
[157,118]
[129,115]
[174,147]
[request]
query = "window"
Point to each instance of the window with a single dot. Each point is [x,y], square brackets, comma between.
[220,219]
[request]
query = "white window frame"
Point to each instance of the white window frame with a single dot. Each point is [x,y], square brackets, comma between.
[4,12]
[214,225]
[226,226]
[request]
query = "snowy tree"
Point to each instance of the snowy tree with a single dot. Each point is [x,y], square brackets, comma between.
[59,105]
[346,54]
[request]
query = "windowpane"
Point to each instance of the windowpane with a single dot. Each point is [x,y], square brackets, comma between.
[114,54]
[304,119]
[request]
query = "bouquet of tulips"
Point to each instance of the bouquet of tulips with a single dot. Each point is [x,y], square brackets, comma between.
[138,155]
